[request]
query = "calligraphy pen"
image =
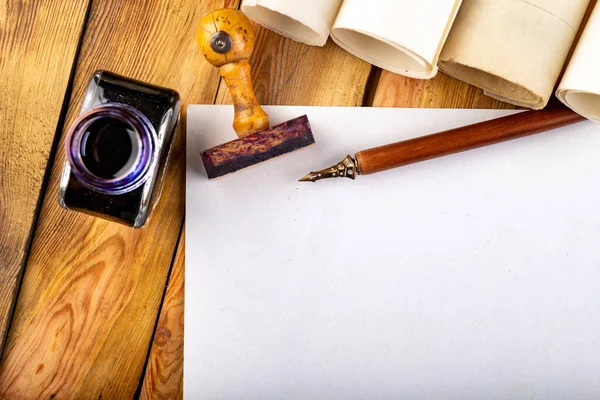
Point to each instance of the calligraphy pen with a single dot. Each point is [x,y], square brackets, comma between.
[453,141]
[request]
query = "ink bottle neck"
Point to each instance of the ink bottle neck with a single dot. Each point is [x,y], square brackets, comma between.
[111,148]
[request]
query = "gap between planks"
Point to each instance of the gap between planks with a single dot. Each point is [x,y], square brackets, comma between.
[8,307]
[99,260]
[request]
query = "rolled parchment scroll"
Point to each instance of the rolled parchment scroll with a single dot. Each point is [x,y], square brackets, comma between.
[580,86]
[402,36]
[513,49]
[305,21]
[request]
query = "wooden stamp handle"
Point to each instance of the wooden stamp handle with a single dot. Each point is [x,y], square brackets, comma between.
[249,116]
[461,139]
[226,40]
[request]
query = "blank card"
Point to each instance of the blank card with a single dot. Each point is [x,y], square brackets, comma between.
[466,277]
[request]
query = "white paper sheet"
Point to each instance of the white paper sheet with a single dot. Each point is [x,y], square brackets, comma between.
[467,277]
[580,86]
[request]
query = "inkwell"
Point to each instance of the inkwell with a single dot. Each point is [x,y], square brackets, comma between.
[118,148]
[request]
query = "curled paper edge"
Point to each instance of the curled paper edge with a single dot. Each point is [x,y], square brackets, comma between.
[579,88]
[484,77]
[539,105]
[265,16]
[429,70]
[574,98]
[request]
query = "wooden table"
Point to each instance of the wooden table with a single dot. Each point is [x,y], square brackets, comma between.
[88,308]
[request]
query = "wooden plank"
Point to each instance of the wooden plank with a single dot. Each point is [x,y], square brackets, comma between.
[284,72]
[38,43]
[440,92]
[163,378]
[92,289]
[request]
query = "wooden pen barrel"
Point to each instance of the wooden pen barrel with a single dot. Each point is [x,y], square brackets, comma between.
[465,138]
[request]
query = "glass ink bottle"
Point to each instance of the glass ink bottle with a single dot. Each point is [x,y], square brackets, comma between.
[118,148]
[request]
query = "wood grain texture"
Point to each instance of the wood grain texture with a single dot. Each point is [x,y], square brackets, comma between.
[163,378]
[38,44]
[464,138]
[440,92]
[285,72]
[91,293]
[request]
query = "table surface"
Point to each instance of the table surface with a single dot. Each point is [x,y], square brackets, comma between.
[89,308]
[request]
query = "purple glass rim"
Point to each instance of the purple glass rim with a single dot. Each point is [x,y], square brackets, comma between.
[140,170]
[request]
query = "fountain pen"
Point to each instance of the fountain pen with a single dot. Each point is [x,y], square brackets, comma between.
[441,144]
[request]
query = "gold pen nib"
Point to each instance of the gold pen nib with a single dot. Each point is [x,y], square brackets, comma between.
[311,177]
[347,168]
